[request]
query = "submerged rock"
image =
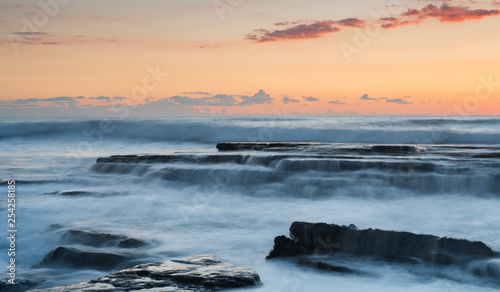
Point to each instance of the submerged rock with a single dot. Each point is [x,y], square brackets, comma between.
[200,273]
[75,258]
[324,266]
[19,286]
[100,239]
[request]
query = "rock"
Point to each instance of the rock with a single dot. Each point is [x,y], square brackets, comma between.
[201,273]
[439,259]
[75,258]
[324,266]
[131,243]
[99,239]
[397,148]
[55,226]
[490,268]
[317,147]
[284,247]
[72,193]
[260,146]
[322,238]
[19,286]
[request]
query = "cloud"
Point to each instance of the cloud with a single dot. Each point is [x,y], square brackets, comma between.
[217,100]
[451,13]
[398,101]
[310,98]
[352,22]
[102,98]
[316,29]
[287,100]
[197,92]
[366,97]
[259,98]
[37,100]
[336,102]
[119,98]
[300,31]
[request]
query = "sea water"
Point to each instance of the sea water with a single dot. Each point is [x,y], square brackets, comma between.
[233,204]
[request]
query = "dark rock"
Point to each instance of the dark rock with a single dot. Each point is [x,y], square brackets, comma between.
[55,226]
[201,273]
[131,242]
[397,148]
[439,259]
[71,193]
[321,147]
[324,266]
[99,239]
[19,286]
[259,146]
[75,258]
[487,155]
[284,247]
[331,238]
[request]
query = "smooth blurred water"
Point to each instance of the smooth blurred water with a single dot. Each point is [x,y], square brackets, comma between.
[198,204]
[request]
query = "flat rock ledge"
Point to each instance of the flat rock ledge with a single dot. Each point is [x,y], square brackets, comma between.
[200,273]
[318,147]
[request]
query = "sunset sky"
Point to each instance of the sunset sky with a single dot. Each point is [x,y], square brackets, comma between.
[249,57]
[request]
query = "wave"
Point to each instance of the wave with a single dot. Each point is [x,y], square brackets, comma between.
[309,175]
[334,130]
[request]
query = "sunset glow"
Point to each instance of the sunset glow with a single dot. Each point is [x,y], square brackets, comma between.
[197,58]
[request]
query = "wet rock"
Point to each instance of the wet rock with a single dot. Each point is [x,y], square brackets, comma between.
[439,259]
[489,268]
[75,258]
[318,147]
[284,247]
[324,266]
[99,239]
[71,193]
[201,273]
[397,148]
[260,146]
[331,238]
[55,226]
[19,286]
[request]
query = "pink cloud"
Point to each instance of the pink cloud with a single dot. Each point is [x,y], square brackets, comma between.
[300,30]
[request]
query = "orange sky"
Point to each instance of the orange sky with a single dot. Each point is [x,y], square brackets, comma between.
[193,57]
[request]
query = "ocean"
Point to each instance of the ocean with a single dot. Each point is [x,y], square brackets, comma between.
[232,204]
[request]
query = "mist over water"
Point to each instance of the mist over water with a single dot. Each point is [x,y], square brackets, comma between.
[233,204]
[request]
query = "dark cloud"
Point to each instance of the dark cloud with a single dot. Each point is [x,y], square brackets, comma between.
[259,98]
[336,102]
[101,98]
[352,22]
[217,100]
[310,98]
[300,31]
[197,92]
[287,100]
[398,101]
[37,100]
[366,97]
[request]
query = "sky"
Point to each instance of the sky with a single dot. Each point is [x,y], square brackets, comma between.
[166,58]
